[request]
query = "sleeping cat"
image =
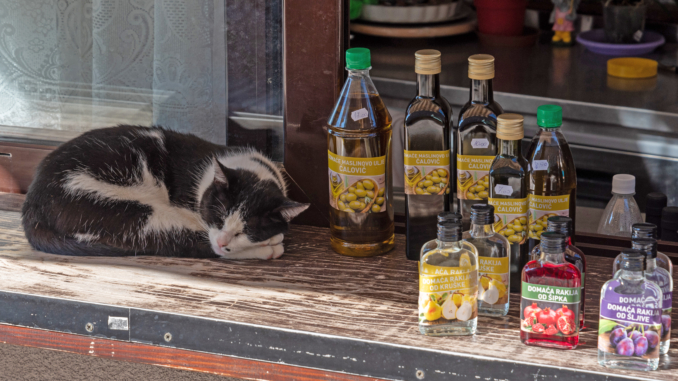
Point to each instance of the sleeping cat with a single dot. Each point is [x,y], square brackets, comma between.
[149,191]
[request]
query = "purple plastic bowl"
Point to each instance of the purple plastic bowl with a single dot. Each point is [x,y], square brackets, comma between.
[594,40]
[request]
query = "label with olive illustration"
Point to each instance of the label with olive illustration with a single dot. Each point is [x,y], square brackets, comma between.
[447,294]
[543,207]
[427,172]
[473,177]
[494,280]
[512,213]
[357,184]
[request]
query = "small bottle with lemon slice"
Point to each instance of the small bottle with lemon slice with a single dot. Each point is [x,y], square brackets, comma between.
[448,283]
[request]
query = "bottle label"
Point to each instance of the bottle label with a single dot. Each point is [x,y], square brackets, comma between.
[427,172]
[550,310]
[630,324]
[512,214]
[543,207]
[357,185]
[359,114]
[540,165]
[447,294]
[480,143]
[494,280]
[473,177]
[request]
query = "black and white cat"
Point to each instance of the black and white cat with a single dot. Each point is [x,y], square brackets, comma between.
[149,191]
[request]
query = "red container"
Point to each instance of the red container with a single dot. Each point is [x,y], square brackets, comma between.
[502,17]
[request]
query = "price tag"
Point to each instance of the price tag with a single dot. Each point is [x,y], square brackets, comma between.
[359,114]
[504,190]
[540,165]
[480,143]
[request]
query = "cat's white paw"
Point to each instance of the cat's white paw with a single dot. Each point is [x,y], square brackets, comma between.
[276,240]
[258,252]
[278,251]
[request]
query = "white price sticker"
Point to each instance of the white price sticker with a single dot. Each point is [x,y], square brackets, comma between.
[504,190]
[540,165]
[359,114]
[480,143]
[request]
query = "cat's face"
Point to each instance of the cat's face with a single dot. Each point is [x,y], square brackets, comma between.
[242,211]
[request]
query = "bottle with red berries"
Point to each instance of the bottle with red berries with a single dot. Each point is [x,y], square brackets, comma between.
[551,295]
[630,325]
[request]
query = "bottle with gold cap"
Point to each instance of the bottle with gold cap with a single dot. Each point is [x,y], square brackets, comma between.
[359,158]
[508,195]
[476,137]
[428,122]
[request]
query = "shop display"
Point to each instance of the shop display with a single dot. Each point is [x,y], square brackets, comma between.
[551,296]
[654,203]
[563,225]
[428,122]
[508,192]
[630,318]
[552,182]
[494,261]
[622,211]
[359,158]
[448,284]
[476,136]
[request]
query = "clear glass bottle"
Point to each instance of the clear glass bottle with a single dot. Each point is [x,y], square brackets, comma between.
[448,284]
[630,318]
[552,181]
[551,297]
[476,137]
[508,192]
[563,225]
[494,261]
[622,211]
[645,230]
[428,122]
[359,158]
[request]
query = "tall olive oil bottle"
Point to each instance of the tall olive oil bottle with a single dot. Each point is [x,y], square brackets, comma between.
[476,137]
[552,180]
[508,193]
[359,157]
[428,122]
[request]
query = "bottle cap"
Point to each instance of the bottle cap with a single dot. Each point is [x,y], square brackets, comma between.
[552,242]
[510,127]
[656,201]
[670,218]
[427,61]
[632,260]
[449,216]
[482,214]
[624,184]
[358,58]
[647,245]
[644,230]
[559,224]
[481,66]
[449,231]
[632,67]
[549,116]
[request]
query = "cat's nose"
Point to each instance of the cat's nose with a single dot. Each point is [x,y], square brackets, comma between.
[223,240]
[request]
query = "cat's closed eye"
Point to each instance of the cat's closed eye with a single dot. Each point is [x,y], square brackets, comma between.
[238,234]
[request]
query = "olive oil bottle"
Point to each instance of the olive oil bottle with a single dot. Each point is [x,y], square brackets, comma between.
[552,180]
[359,158]
[426,154]
[476,137]
[508,193]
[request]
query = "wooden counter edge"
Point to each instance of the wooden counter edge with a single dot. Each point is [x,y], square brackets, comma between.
[168,357]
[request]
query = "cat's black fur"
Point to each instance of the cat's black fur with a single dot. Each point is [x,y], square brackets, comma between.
[53,217]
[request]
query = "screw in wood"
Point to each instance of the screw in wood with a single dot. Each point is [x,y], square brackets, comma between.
[420,374]
[168,337]
[89,327]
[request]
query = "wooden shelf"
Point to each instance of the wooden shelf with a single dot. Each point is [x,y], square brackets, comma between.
[312,309]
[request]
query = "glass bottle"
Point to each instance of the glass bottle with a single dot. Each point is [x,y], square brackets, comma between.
[645,230]
[630,318]
[448,284]
[359,156]
[476,137]
[563,225]
[508,192]
[551,296]
[428,121]
[622,211]
[664,280]
[552,180]
[494,261]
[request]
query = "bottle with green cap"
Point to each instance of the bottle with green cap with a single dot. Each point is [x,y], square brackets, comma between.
[359,165]
[552,182]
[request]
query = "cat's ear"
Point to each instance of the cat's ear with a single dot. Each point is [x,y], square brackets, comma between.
[220,172]
[290,209]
